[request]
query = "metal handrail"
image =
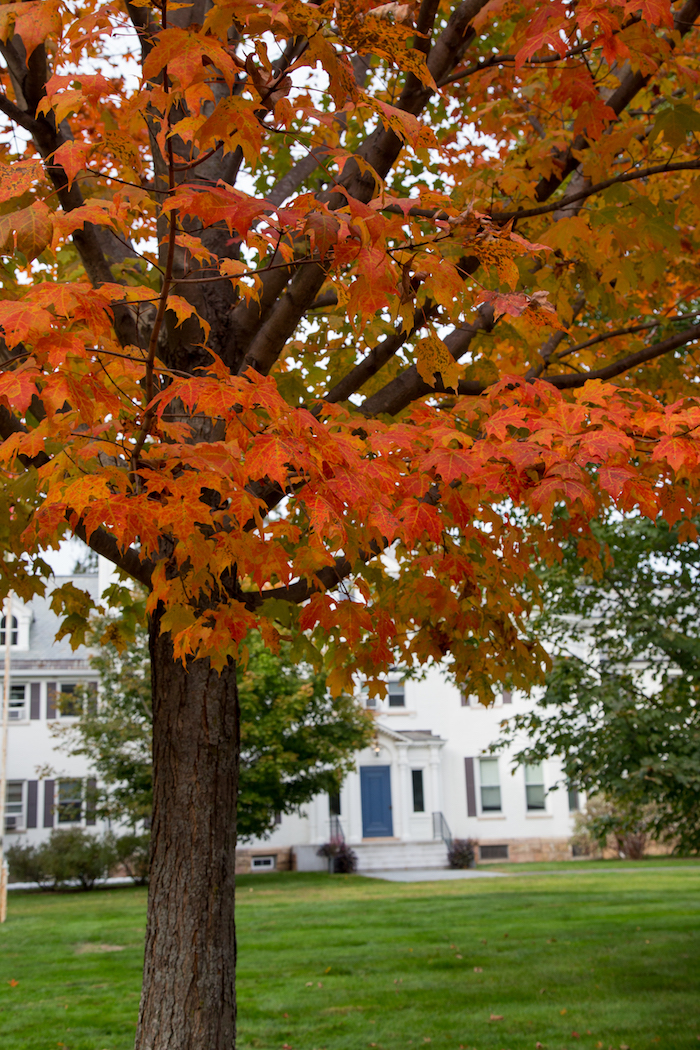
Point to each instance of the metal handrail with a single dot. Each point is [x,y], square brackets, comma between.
[335,829]
[441,829]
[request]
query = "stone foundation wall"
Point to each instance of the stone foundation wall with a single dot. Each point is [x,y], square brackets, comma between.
[284,859]
[522,851]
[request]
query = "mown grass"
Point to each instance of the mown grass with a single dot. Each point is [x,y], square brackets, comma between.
[346,963]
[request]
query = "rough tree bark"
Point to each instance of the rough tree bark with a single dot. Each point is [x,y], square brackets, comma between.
[189,998]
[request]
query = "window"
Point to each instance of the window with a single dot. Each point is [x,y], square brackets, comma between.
[18,703]
[334,803]
[70,801]
[397,694]
[14,805]
[574,805]
[418,799]
[534,787]
[366,699]
[14,631]
[490,785]
[262,863]
[495,852]
[69,703]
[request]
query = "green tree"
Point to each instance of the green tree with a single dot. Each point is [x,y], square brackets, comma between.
[296,740]
[621,704]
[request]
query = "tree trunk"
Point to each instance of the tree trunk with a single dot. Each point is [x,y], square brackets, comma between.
[188,1000]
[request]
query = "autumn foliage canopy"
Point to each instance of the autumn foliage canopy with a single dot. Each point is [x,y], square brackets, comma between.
[330,319]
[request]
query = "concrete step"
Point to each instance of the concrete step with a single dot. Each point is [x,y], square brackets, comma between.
[387,855]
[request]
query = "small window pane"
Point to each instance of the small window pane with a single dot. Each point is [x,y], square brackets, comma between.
[334,803]
[3,625]
[534,774]
[13,797]
[70,801]
[418,799]
[534,786]
[489,772]
[574,805]
[491,799]
[397,694]
[490,785]
[535,796]
[17,708]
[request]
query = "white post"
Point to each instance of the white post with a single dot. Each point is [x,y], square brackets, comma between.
[3,755]
[403,803]
[435,785]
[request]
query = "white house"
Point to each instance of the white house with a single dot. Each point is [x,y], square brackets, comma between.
[428,774]
[44,673]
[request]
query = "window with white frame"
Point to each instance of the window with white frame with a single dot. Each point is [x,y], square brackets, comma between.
[17,711]
[534,787]
[490,785]
[397,694]
[365,699]
[14,806]
[263,863]
[69,701]
[69,809]
[14,631]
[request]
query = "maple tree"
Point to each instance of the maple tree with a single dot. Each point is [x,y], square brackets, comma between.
[303,283]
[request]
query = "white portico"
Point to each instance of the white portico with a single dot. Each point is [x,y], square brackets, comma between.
[386,807]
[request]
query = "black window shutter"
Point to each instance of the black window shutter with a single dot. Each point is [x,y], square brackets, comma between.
[32,802]
[35,704]
[48,803]
[91,801]
[471,792]
[51,702]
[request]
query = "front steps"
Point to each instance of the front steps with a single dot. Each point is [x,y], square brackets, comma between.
[392,854]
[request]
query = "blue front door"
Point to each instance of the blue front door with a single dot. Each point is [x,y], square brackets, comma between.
[375,785]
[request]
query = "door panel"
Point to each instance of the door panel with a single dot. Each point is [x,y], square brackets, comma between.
[375,785]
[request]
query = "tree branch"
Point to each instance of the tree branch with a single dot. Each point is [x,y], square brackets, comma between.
[629,86]
[101,541]
[649,353]
[631,330]
[409,386]
[28,80]
[261,331]
[378,356]
[598,187]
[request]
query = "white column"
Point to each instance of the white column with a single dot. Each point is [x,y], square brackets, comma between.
[315,832]
[402,810]
[435,781]
[353,825]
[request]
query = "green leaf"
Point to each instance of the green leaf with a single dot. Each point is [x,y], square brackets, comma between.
[675,122]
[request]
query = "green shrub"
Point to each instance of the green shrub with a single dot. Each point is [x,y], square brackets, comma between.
[133,852]
[75,854]
[70,855]
[29,864]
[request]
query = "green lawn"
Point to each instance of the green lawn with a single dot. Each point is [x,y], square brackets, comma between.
[609,952]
